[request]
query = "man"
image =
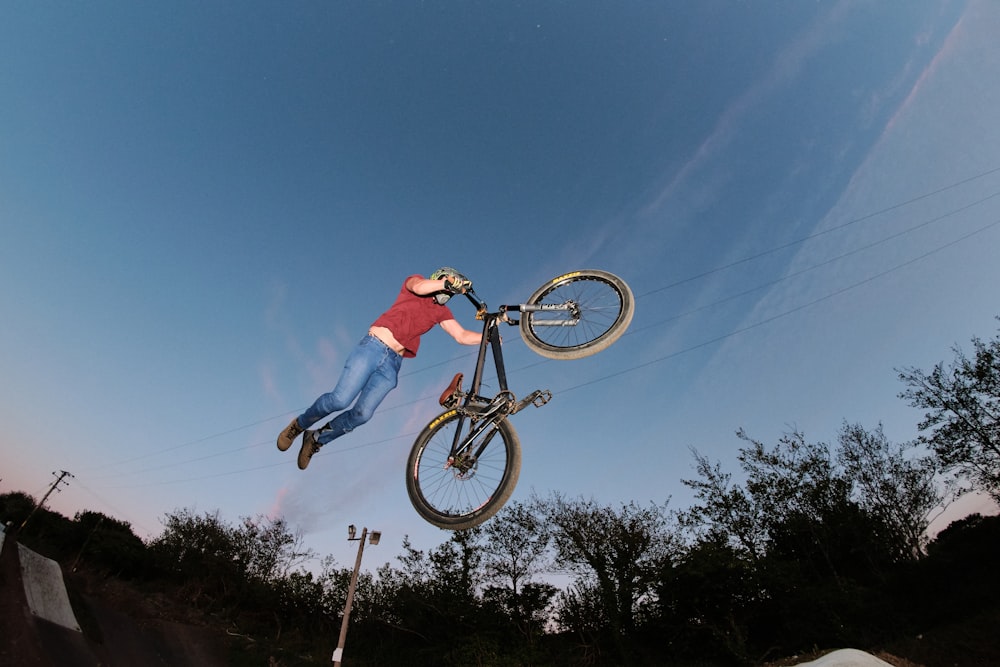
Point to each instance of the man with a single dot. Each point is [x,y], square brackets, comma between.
[371,370]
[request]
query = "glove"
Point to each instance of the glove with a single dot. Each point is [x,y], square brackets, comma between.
[457,284]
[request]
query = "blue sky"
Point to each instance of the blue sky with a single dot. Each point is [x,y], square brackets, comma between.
[204,205]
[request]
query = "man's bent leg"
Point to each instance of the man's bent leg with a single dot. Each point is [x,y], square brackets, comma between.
[379,384]
[360,365]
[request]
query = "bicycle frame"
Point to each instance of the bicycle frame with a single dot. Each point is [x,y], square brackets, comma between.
[503,404]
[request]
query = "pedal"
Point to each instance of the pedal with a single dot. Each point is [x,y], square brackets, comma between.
[538,398]
[542,397]
[453,394]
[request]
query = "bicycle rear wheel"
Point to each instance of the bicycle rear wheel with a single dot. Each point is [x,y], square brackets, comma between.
[603,307]
[459,494]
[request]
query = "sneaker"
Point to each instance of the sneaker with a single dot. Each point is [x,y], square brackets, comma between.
[287,437]
[309,447]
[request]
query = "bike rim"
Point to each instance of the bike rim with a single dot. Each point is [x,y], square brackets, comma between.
[459,488]
[601,306]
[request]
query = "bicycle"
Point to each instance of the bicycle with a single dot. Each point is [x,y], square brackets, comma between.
[457,477]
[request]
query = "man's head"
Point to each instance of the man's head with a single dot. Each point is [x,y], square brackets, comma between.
[452,275]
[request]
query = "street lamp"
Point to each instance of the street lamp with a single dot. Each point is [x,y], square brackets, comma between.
[373,540]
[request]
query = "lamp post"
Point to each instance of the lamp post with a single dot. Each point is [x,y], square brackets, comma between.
[351,532]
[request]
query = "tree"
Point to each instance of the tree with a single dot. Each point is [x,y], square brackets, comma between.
[580,609]
[266,550]
[109,544]
[817,540]
[457,567]
[898,489]
[793,478]
[196,547]
[725,512]
[518,542]
[437,585]
[798,501]
[708,600]
[15,508]
[617,552]
[963,418]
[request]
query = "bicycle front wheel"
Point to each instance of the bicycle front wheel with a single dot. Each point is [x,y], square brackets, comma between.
[462,492]
[577,314]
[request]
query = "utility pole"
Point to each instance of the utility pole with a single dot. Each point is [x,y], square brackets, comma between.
[55,487]
[338,655]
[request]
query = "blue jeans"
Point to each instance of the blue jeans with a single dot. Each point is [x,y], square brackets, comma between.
[370,373]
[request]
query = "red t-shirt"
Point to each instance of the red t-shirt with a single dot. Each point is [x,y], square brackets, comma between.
[411,316]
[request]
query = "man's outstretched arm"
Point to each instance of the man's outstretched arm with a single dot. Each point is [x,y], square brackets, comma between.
[460,333]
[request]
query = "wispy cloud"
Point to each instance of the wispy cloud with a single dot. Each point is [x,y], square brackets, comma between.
[785,68]
[946,49]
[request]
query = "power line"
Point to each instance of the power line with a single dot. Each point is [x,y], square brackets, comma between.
[692,278]
[813,267]
[799,241]
[785,313]
[112,507]
[631,369]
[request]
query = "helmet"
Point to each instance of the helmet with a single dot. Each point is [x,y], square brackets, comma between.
[445,271]
[442,297]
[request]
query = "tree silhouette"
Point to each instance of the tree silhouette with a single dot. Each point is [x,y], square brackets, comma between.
[616,553]
[963,418]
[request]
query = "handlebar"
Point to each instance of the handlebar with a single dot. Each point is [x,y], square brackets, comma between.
[482,309]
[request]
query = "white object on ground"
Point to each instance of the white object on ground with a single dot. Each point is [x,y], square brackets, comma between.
[846,657]
[45,589]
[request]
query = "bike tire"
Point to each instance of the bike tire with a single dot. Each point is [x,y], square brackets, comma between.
[448,498]
[606,308]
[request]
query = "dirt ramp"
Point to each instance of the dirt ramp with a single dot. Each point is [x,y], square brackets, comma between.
[152,642]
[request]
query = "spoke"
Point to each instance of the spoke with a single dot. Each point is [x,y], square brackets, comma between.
[449,489]
[598,305]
